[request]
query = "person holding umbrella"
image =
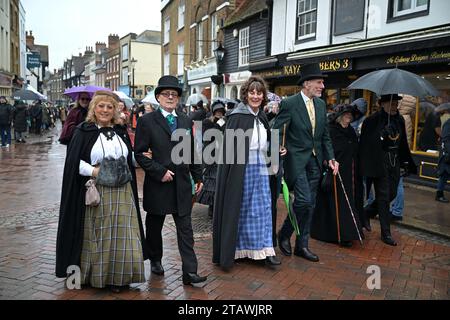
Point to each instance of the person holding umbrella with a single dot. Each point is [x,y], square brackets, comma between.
[383,151]
[308,145]
[444,157]
[76,116]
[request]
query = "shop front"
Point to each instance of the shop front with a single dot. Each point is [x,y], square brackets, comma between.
[5,84]
[199,79]
[234,83]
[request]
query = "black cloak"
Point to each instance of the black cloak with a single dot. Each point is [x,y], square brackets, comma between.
[72,209]
[324,226]
[229,188]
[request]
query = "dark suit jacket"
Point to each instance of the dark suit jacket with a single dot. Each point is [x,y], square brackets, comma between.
[160,198]
[299,138]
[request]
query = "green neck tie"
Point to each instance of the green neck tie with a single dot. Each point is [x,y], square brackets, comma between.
[170,119]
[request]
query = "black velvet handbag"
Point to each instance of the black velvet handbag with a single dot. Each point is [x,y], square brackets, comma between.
[113,172]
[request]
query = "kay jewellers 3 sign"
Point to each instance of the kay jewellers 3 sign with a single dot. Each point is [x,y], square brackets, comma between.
[325,66]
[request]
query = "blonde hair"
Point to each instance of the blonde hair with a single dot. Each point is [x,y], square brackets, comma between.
[104,96]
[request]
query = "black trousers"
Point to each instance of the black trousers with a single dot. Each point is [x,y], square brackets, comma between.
[185,238]
[386,191]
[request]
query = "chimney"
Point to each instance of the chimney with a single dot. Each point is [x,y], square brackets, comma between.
[113,41]
[99,46]
[30,40]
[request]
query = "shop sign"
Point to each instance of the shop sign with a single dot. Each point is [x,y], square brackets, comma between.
[326,66]
[5,81]
[418,58]
[240,76]
[33,60]
[203,72]
[269,74]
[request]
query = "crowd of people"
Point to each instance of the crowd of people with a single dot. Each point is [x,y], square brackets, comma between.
[342,167]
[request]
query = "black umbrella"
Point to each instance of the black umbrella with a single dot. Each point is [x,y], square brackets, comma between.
[392,81]
[25,94]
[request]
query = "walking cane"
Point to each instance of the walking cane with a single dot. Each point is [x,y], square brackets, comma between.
[350,207]
[337,209]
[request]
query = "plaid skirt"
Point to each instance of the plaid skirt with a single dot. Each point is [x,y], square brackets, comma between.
[255,220]
[112,249]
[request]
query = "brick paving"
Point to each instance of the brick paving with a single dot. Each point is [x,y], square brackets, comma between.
[417,269]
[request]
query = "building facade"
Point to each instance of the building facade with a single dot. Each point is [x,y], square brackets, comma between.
[113,63]
[6,75]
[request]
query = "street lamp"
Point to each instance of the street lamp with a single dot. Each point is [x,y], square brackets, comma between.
[133,64]
[219,53]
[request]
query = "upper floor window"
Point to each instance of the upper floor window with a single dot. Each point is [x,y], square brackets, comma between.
[180,56]
[181,10]
[404,7]
[166,30]
[125,52]
[213,33]
[244,46]
[200,41]
[166,63]
[306,18]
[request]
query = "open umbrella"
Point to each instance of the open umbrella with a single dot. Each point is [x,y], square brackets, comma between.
[28,94]
[392,81]
[75,91]
[273,97]
[150,98]
[125,99]
[194,98]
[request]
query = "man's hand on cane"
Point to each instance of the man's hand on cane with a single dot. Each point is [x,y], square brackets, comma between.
[334,165]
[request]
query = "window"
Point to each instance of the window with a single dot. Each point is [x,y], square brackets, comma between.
[180,58]
[404,7]
[125,52]
[181,10]
[167,30]
[213,33]
[166,63]
[199,41]
[306,18]
[125,76]
[244,46]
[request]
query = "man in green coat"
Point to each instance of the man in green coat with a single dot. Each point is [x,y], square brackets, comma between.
[302,118]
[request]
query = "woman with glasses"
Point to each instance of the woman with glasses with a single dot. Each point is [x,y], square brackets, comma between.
[76,116]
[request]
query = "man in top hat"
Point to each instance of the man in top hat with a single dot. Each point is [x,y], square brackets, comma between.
[383,151]
[167,186]
[303,119]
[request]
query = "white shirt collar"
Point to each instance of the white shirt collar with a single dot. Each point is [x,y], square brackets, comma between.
[305,98]
[165,113]
[251,110]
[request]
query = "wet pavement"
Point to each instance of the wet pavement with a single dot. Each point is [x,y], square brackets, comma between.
[30,182]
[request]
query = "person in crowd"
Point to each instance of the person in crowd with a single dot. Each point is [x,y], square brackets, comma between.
[242,222]
[6,115]
[76,116]
[167,186]
[36,115]
[20,120]
[308,144]
[333,218]
[62,114]
[443,170]
[46,119]
[124,113]
[106,241]
[216,121]
[199,113]
[361,108]
[431,131]
[383,150]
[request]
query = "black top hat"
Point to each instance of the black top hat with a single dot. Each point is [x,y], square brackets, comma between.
[310,71]
[387,98]
[340,109]
[168,82]
[217,105]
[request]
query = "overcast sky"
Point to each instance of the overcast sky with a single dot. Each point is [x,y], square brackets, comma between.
[68,26]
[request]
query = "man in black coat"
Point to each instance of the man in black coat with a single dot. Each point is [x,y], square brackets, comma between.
[167,186]
[383,150]
[6,114]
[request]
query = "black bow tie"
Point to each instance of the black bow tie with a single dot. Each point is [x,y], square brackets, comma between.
[108,132]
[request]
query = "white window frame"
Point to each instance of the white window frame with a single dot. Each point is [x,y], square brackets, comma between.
[304,13]
[180,58]
[167,30]
[166,64]
[414,8]
[181,13]
[213,33]
[244,46]
[125,52]
[125,76]
[200,45]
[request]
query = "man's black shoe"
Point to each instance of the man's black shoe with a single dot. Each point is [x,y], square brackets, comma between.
[389,240]
[272,261]
[189,278]
[305,253]
[396,218]
[157,268]
[285,245]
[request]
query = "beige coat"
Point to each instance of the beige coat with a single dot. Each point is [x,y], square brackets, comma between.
[407,108]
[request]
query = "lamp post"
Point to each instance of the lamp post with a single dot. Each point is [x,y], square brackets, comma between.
[133,64]
[219,53]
